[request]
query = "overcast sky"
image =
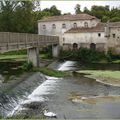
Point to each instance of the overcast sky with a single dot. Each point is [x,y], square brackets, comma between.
[68,6]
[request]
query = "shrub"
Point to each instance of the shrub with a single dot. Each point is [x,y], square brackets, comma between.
[27,66]
[47,51]
[113,56]
[84,55]
[50,72]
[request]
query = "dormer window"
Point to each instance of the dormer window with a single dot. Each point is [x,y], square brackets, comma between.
[75,25]
[53,26]
[63,25]
[44,26]
[86,25]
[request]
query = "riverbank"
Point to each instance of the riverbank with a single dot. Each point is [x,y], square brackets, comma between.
[105,77]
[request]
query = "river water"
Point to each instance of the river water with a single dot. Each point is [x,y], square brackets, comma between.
[38,93]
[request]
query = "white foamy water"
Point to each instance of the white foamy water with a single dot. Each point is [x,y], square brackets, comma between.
[67,66]
[46,88]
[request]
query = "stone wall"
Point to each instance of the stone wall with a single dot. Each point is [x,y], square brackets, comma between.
[85,39]
[59,31]
[113,39]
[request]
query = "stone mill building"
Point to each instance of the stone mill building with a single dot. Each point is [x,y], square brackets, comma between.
[82,30]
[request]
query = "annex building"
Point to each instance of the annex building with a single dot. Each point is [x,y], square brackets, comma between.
[82,30]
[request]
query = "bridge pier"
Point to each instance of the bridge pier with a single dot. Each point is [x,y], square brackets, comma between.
[33,56]
[55,50]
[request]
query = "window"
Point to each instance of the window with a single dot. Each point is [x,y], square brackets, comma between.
[86,25]
[113,35]
[44,26]
[63,25]
[75,25]
[54,26]
[99,34]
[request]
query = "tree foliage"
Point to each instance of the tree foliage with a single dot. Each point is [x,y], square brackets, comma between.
[102,12]
[77,9]
[22,16]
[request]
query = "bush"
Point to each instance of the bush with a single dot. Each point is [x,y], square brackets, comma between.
[47,52]
[113,56]
[84,55]
[27,66]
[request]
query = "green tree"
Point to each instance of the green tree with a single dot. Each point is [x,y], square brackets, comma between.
[115,19]
[24,19]
[100,11]
[16,16]
[54,11]
[105,18]
[86,10]
[7,15]
[77,9]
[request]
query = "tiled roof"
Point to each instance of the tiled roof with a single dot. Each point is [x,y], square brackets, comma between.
[68,17]
[98,28]
[114,24]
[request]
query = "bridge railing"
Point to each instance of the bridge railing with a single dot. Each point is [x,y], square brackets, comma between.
[15,41]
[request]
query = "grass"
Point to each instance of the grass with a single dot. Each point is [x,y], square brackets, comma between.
[13,57]
[112,74]
[116,61]
[50,72]
[20,57]
[107,77]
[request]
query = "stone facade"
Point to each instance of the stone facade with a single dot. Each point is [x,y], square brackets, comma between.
[112,33]
[58,25]
[82,30]
[85,40]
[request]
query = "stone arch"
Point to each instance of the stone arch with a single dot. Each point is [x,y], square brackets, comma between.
[75,25]
[63,25]
[93,46]
[86,25]
[53,26]
[75,46]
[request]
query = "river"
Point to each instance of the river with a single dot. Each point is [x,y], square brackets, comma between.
[38,93]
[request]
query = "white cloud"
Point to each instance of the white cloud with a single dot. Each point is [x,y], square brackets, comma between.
[68,6]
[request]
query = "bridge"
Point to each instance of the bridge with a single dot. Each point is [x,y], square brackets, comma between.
[32,42]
